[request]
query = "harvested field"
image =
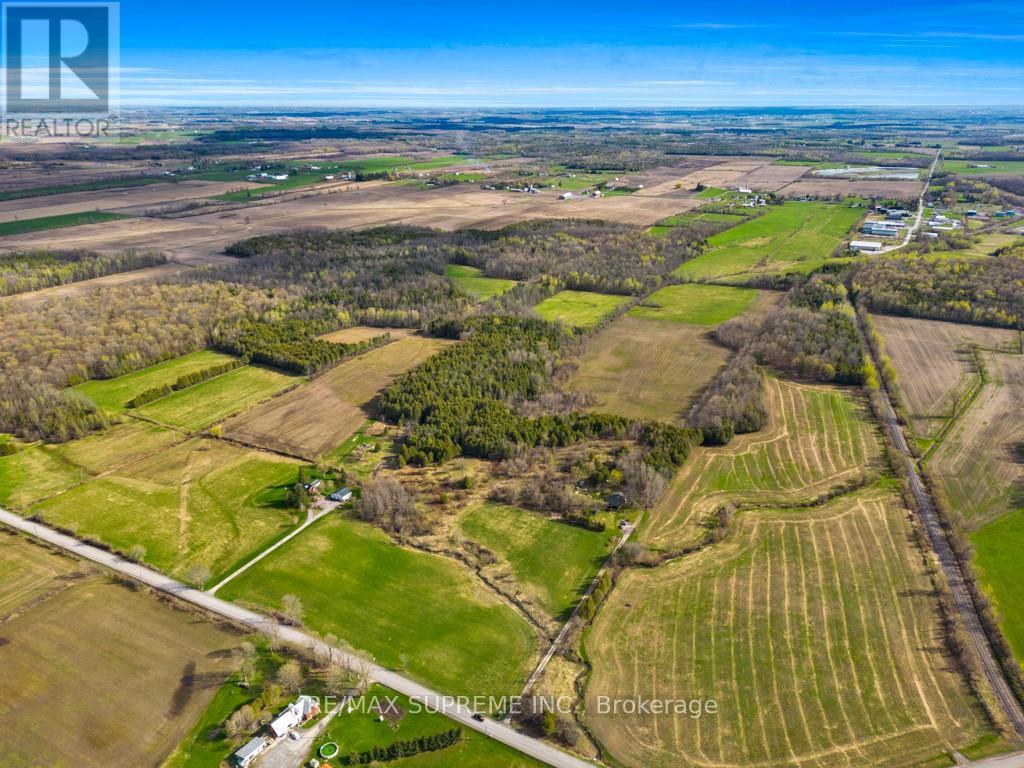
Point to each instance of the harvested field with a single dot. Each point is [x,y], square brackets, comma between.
[360,333]
[30,574]
[316,418]
[124,678]
[818,439]
[831,188]
[934,364]
[815,631]
[978,464]
[202,502]
[132,199]
[216,399]
[648,369]
[421,613]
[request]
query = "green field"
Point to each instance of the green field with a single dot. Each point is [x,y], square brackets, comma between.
[360,729]
[695,304]
[293,182]
[580,309]
[200,502]
[995,167]
[790,237]
[413,611]
[997,554]
[113,395]
[21,226]
[214,400]
[385,164]
[35,473]
[550,560]
[473,281]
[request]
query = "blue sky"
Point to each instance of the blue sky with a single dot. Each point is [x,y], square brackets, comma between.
[628,53]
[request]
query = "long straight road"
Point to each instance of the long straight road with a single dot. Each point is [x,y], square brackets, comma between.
[296,638]
[962,601]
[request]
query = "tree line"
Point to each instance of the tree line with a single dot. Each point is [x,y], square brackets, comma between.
[183,382]
[35,270]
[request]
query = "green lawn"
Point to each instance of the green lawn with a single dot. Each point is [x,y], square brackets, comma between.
[413,611]
[995,167]
[551,560]
[359,729]
[113,395]
[214,400]
[473,281]
[580,309]
[202,502]
[997,551]
[8,228]
[790,237]
[696,304]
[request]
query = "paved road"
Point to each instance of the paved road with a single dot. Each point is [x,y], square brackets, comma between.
[294,637]
[920,209]
[1016,760]
[962,601]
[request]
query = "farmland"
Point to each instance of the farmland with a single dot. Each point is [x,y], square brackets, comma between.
[550,560]
[997,548]
[199,503]
[794,236]
[473,281]
[696,304]
[107,696]
[813,631]
[655,378]
[113,395]
[316,418]
[416,612]
[22,226]
[935,366]
[579,309]
[216,399]
[818,439]
[984,167]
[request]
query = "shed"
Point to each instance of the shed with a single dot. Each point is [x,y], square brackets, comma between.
[342,495]
[249,751]
[865,245]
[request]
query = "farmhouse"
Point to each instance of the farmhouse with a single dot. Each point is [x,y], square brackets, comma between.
[314,486]
[249,751]
[302,710]
[616,501]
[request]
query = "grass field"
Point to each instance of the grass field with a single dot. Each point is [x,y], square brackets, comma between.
[201,502]
[816,633]
[473,281]
[648,369]
[316,418]
[696,304]
[993,167]
[22,226]
[113,395]
[580,309]
[934,364]
[124,678]
[552,561]
[997,556]
[819,438]
[360,730]
[357,333]
[411,610]
[791,237]
[216,399]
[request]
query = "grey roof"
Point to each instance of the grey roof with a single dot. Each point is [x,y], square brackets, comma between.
[253,747]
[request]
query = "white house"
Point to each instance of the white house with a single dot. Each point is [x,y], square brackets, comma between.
[295,714]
